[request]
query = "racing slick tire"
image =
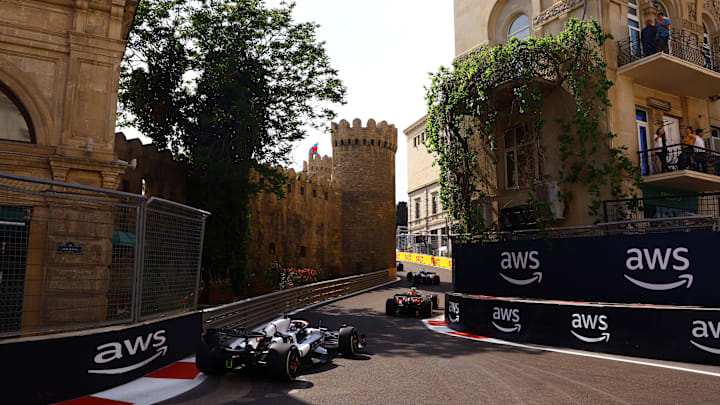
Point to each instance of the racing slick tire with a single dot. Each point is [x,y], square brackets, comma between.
[390,307]
[417,280]
[207,362]
[410,276]
[434,300]
[349,341]
[426,309]
[400,267]
[284,361]
[436,280]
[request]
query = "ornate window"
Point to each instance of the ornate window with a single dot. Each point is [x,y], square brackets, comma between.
[15,124]
[521,164]
[519,28]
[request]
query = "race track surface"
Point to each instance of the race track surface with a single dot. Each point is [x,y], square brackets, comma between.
[405,363]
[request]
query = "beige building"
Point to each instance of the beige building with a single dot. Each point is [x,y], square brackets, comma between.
[673,90]
[59,74]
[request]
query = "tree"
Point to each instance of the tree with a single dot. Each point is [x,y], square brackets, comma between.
[227,87]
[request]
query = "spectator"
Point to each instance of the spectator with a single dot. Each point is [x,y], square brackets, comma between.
[699,157]
[648,38]
[660,141]
[685,158]
[662,26]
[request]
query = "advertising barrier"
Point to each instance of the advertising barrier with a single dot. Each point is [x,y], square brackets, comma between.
[660,332]
[678,268]
[444,262]
[52,369]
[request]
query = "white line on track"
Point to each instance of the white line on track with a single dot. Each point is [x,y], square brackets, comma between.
[445,330]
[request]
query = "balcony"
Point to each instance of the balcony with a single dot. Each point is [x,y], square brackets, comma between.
[681,167]
[688,69]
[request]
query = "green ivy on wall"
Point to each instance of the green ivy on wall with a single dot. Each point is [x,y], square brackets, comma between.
[507,82]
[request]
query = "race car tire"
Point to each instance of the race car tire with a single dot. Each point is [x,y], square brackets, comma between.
[348,341]
[390,307]
[284,361]
[400,267]
[417,279]
[207,362]
[426,309]
[436,280]
[410,276]
[434,300]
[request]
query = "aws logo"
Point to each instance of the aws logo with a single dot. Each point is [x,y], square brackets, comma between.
[659,259]
[454,311]
[506,315]
[112,351]
[704,330]
[523,260]
[590,323]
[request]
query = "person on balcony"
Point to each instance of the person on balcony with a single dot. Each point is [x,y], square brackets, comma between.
[648,36]
[662,26]
[685,159]
[660,144]
[699,156]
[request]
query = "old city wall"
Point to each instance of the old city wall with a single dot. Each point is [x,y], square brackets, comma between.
[163,177]
[301,230]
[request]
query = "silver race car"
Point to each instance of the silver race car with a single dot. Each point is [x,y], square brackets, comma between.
[283,346]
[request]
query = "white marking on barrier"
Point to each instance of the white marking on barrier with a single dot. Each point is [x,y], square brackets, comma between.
[447,331]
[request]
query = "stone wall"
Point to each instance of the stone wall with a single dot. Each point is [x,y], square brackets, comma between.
[162,176]
[301,230]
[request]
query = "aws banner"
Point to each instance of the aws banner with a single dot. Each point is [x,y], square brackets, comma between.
[671,268]
[679,334]
[444,262]
[52,369]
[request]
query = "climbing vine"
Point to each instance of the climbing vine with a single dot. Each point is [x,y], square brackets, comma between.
[507,85]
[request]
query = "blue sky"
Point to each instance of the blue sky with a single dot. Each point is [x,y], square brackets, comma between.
[384,50]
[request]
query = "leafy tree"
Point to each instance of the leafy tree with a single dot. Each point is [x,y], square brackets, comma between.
[228,87]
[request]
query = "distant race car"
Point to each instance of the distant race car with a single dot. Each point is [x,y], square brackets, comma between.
[424,277]
[411,303]
[284,346]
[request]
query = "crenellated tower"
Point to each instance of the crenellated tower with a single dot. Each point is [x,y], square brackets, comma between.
[319,166]
[363,166]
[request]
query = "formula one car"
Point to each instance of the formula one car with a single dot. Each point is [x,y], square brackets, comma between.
[282,347]
[424,277]
[411,303]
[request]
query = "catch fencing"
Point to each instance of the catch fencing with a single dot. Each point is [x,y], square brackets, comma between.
[74,257]
[432,244]
[256,311]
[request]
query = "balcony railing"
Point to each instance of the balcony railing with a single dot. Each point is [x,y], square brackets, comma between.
[680,45]
[677,157]
[690,205]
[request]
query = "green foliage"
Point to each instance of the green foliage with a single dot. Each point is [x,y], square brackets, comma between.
[228,88]
[508,82]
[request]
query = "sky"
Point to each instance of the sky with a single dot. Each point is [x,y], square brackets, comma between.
[383,50]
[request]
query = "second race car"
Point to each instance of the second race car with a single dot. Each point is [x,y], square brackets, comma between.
[411,303]
[424,277]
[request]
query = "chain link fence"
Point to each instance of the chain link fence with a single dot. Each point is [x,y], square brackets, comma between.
[432,244]
[73,257]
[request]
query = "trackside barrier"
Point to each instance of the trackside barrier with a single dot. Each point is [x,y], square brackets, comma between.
[255,311]
[444,262]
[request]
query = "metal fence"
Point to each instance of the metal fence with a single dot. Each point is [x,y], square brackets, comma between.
[663,207]
[73,257]
[679,157]
[424,243]
[255,311]
[680,45]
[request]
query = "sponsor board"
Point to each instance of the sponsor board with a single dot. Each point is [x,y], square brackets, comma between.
[659,332]
[667,269]
[66,367]
[444,262]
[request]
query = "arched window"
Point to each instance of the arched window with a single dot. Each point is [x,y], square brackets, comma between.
[15,122]
[520,28]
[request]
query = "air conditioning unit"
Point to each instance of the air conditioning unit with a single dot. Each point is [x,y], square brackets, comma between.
[713,143]
[547,195]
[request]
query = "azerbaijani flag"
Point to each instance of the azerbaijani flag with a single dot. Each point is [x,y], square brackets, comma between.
[314,150]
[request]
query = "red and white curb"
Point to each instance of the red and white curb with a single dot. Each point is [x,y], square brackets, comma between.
[439,325]
[159,386]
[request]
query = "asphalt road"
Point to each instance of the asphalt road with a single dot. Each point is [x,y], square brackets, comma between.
[405,363]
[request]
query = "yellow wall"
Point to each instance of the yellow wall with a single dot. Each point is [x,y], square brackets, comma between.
[443,262]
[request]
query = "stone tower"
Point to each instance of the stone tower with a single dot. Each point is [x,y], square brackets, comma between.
[320,166]
[363,166]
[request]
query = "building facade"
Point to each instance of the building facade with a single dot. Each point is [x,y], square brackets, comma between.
[675,88]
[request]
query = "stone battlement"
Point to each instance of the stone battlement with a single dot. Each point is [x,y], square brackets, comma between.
[320,166]
[382,135]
